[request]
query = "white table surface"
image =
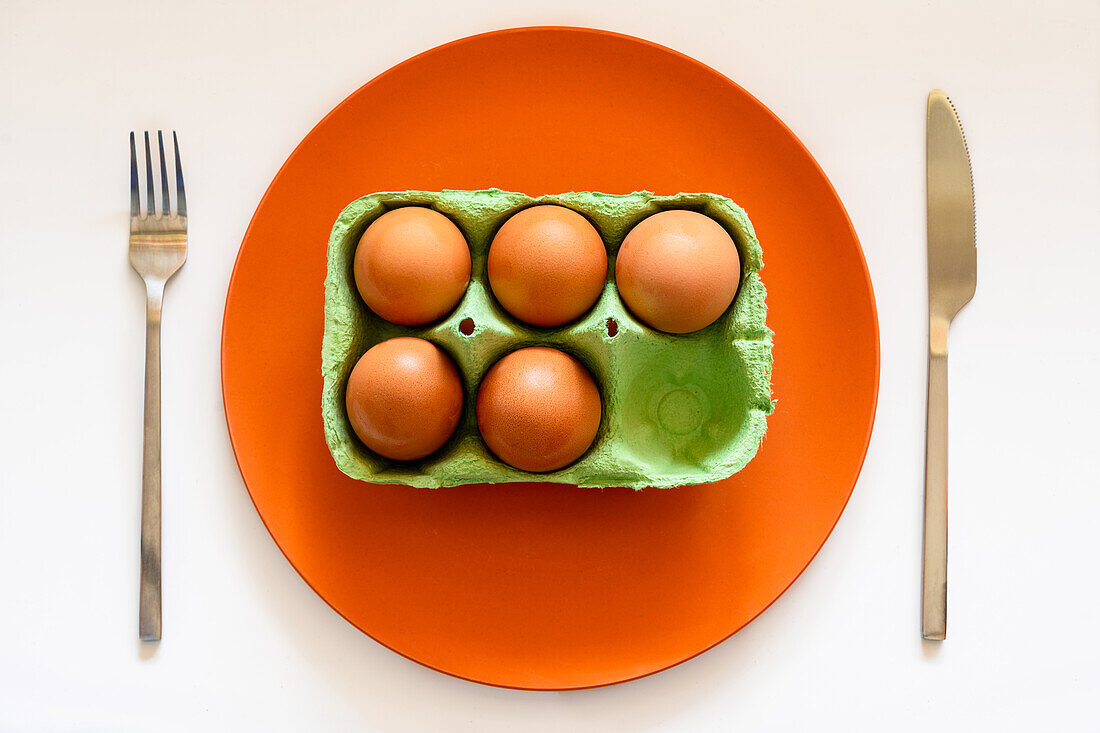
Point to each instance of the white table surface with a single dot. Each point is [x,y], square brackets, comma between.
[248,646]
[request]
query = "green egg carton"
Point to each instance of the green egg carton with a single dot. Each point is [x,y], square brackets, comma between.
[677,409]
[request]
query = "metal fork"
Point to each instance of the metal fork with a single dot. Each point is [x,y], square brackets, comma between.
[158,247]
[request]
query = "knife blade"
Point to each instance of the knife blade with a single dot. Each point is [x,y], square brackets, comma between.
[952,277]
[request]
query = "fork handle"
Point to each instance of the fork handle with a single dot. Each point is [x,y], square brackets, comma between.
[149,609]
[934,576]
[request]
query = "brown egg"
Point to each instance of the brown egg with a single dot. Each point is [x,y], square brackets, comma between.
[404,398]
[547,265]
[412,265]
[678,271]
[538,409]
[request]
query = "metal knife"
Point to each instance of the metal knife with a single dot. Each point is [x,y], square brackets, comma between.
[952,276]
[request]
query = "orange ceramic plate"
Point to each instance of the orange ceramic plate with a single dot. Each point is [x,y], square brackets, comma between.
[537,585]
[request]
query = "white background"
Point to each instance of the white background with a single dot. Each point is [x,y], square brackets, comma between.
[247,644]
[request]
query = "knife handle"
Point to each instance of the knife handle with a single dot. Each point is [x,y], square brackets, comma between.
[934,575]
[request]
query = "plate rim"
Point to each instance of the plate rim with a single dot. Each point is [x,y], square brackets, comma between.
[861,259]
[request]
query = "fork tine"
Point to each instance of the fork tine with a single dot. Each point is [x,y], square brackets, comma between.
[181,199]
[135,199]
[165,209]
[148,175]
